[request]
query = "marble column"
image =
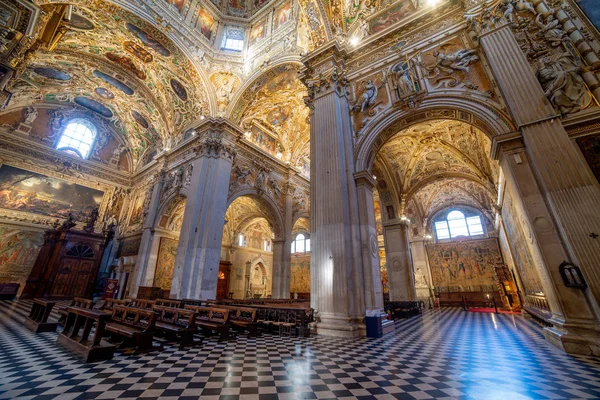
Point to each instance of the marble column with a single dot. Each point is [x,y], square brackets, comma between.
[199,251]
[337,281]
[566,212]
[373,290]
[401,279]
[286,264]
[139,277]
[276,290]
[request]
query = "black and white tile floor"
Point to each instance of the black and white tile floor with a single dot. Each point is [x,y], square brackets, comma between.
[442,354]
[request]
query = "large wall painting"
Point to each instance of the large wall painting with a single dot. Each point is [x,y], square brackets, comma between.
[18,251]
[28,191]
[467,266]
[391,16]
[258,32]
[591,10]
[300,274]
[165,264]
[236,8]
[520,252]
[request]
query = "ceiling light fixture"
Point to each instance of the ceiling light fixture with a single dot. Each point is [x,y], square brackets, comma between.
[354,41]
[433,3]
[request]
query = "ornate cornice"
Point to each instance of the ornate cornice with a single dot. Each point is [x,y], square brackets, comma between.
[508,143]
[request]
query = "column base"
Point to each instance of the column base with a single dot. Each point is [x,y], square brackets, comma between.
[339,326]
[587,343]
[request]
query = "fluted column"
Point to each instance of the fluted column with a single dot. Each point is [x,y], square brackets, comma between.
[401,279]
[139,277]
[370,248]
[199,250]
[337,280]
[562,176]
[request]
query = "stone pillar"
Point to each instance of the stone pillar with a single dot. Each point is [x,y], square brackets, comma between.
[370,248]
[286,263]
[566,212]
[276,290]
[199,250]
[337,282]
[401,277]
[139,277]
[422,272]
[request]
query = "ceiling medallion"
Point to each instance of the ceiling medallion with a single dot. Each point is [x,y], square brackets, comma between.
[149,40]
[52,73]
[94,105]
[102,92]
[126,63]
[140,119]
[114,82]
[179,90]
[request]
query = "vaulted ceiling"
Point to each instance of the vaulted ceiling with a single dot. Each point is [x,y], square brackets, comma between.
[439,163]
[243,214]
[124,69]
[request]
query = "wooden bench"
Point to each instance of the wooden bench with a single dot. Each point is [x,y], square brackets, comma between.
[76,335]
[37,321]
[8,291]
[168,303]
[193,302]
[108,305]
[133,324]
[76,302]
[212,319]
[177,322]
[244,318]
[141,303]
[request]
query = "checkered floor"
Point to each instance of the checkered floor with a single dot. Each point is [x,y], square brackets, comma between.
[442,354]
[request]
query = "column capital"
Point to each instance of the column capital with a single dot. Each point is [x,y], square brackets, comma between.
[364,178]
[216,147]
[507,143]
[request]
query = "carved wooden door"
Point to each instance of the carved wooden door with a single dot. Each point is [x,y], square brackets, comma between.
[75,274]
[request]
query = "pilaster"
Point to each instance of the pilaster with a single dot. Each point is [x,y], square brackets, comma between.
[401,279]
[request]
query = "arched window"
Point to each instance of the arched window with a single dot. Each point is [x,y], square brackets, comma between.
[301,244]
[241,240]
[456,224]
[77,138]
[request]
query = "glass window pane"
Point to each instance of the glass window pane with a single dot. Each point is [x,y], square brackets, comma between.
[307,244]
[300,245]
[442,233]
[455,215]
[293,246]
[78,135]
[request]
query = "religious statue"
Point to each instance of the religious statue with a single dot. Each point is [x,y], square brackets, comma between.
[563,84]
[89,227]
[224,92]
[403,82]
[507,8]
[368,97]
[118,151]
[31,113]
[68,223]
[275,186]
[457,61]
[287,43]
[550,29]
[524,5]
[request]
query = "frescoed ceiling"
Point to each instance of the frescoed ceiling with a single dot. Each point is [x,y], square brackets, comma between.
[117,65]
[243,213]
[275,103]
[440,163]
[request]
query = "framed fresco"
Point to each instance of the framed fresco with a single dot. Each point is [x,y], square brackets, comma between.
[206,23]
[258,32]
[18,251]
[391,16]
[283,13]
[178,4]
[264,140]
[165,263]
[237,8]
[27,191]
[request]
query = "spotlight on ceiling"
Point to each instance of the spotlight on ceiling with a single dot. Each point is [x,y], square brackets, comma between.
[354,41]
[202,117]
[433,3]
[428,237]
[403,218]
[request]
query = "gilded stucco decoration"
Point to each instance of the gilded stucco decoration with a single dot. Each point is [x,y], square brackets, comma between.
[274,116]
[225,85]
[122,68]
[243,212]
[439,163]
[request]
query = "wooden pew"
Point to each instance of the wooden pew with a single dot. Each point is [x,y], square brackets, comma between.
[194,302]
[108,305]
[75,337]
[133,324]
[76,302]
[168,303]
[8,291]
[37,321]
[244,318]
[177,322]
[403,309]
[212,319]
[144,304]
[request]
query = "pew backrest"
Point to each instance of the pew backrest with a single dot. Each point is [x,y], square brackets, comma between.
[135,317]
[176,316]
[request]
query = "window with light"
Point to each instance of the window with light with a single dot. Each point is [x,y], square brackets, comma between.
[456,224]
[77,138]
[301,244]
[233,39]
[241,240]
